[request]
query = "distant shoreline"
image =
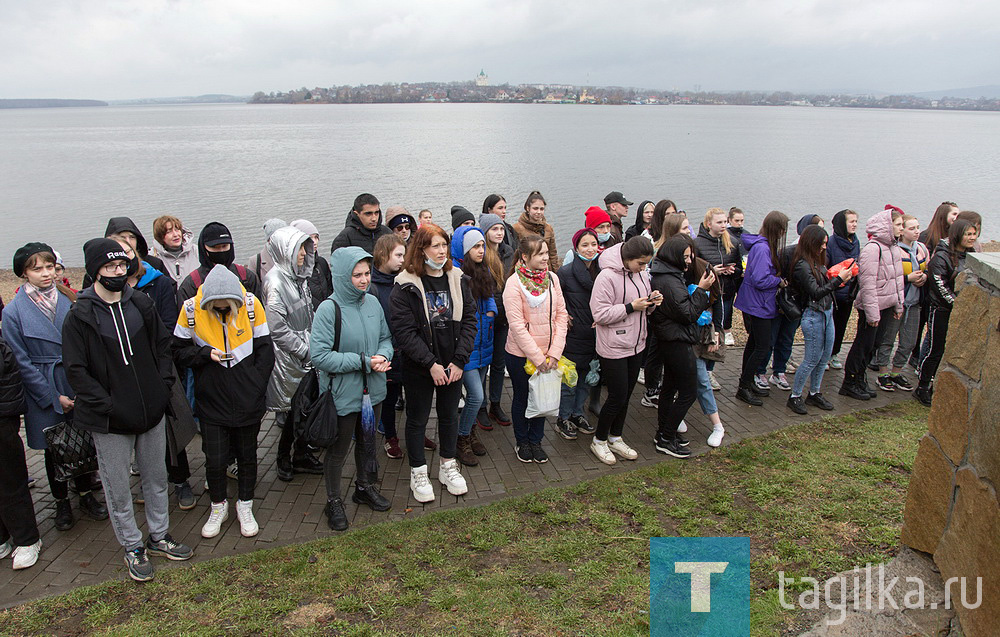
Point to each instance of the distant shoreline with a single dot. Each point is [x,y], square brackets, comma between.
[49,103]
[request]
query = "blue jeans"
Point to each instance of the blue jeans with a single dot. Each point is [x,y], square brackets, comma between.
[473,381]
[818,330]
[525,429]
[573,398]
[706,397]
[497,365]
[782,336]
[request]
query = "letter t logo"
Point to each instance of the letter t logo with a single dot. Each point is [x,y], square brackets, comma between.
[701,582]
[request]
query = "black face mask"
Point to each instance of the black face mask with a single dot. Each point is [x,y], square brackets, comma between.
[221,258]
[133,266]
[114,283]
[223,312]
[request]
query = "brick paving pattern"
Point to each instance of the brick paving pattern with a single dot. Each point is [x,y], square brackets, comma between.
[293,512]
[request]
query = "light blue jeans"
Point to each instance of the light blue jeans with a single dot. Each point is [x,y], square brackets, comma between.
[472,379]
[572,398]
[817,329]
[706,397]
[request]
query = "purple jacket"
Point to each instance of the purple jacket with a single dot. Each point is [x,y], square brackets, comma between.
[880,274]
[760,280]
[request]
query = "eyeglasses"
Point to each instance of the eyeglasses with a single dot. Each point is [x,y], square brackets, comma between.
[112,269]
[403,226]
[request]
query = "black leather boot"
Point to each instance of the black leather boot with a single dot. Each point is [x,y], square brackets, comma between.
[369,495]
[336,518]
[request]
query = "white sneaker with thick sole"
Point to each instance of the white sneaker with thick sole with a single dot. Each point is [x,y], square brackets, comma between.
[248,523]
[730,340]
[5,549]
[619,448]
[26,556]
[715,438]
[682,428]
[600,449]
[713,382]
[451,477]
[642,377]
[218,515]
[420,485]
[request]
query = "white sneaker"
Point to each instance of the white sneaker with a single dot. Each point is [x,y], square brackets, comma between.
[620,448]
[420,486]
[218,515]
[26,556]
[682,428]
[715,438]
[248,523]
[450,476]
[730,340]
[600,449]
[642,377]
[5,549]
[715,384]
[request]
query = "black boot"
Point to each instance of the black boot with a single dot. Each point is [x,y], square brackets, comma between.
[748,396]
[923,394]
[92,508]
[307,463]
[797,404]
[851,389]
[369,495]
[336,518]
[863,386]
[498,415]
[64,515]
[284,465]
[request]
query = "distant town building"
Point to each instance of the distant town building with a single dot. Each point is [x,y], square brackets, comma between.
[482,79]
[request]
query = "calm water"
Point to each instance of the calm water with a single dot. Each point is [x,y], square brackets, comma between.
[63,172]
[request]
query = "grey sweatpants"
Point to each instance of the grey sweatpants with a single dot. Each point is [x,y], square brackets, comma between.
[114,454]
[906,328]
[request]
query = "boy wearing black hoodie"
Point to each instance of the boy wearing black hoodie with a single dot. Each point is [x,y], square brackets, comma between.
[116,352]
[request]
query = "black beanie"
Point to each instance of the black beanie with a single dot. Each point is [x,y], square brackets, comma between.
[22,254]
[98,252]
[460,215]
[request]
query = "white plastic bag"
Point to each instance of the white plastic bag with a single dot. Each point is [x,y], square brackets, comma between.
[544,393]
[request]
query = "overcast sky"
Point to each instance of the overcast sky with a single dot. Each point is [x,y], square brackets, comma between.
[156,48]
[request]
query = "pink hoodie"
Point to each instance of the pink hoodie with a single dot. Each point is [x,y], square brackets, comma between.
[880,278]
[620,332]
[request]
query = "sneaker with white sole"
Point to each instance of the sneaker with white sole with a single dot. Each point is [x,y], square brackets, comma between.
[682,428]
[139,567]
[642,377]
[712,380]
[730,340]
[218,515]
[600,449]
[451,477]
[650,399]
[715,438]
[619,448]
[168,548]
[26,556]
[5,549]
[248,523]
[760,382]
[836,363]
[233,471]
[779,381]
[420,485]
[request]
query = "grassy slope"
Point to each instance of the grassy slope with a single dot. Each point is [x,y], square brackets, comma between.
[816,499]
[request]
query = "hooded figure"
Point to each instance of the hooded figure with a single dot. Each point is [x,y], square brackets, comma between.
[639,227]
[840,247]
[124,224]
[261,263]
[321,281]
[880,277]
[289,312]
[216,234]
[466,237]
[364,333]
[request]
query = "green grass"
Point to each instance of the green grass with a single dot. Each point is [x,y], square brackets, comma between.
[815,499]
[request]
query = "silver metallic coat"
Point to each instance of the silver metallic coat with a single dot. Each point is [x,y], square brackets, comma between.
[289,314]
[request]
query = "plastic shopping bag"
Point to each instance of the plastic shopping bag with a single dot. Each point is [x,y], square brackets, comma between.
[544,393]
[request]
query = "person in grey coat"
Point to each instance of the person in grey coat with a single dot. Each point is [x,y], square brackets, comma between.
[289,318]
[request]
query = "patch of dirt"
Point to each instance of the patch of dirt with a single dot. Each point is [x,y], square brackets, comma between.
[310,615]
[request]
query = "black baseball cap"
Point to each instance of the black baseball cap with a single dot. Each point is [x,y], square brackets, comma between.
[616,197]
[216,234]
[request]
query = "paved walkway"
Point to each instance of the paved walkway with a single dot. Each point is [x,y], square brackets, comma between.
[292,512]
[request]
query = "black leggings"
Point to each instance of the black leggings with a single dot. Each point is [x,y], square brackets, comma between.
[365,458]
[222,443]
[420,391]
[653,363]
[841,315]
[680,386]
[757,349]
[937,326]
[620,375]
[865,344]
[17,513]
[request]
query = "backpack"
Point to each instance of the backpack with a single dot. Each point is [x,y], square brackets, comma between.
[248,303]
[241,272]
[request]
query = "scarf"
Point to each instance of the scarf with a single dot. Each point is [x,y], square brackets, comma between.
[46,300]
[534,283]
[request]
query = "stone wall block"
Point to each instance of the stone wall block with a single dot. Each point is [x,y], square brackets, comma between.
[969,549]
[928,497]
[969,317]
[949,418]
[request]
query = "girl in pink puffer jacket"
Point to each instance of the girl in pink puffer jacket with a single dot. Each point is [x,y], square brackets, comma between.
[880,298]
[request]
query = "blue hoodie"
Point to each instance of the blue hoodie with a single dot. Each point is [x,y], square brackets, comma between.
[760,280]
[482,348]
[364,333]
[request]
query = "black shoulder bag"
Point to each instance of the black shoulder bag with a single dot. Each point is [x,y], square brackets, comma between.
[320,422]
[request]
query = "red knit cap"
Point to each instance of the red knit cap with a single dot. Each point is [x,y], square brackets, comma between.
[596,216]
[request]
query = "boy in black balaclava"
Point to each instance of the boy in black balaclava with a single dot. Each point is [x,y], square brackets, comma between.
[216,247]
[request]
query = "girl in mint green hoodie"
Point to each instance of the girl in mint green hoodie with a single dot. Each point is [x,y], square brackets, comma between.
[364,354]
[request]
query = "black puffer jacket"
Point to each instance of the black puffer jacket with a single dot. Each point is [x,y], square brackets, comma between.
[676,318]
[577,285]
[11,390]
[321,281]
[815,290]
[941,287]
[117,360]
[713,250]
[356,234]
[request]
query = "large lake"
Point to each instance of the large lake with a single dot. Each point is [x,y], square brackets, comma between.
[64,172]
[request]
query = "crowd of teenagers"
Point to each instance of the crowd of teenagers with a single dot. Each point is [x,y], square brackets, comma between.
[161,344]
